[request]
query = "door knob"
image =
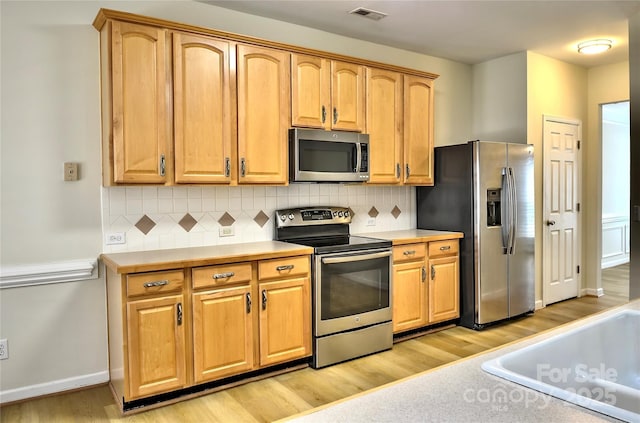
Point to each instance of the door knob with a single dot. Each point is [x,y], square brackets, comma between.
[551,222]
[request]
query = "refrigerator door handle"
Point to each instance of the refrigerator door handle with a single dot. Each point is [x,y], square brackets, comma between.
[514,211]
[504,201]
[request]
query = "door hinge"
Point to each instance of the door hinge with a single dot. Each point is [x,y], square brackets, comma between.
[578,144]
[578,207]
[578,269]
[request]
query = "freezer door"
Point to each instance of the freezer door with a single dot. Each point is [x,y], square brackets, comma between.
[492,294]
[521,260]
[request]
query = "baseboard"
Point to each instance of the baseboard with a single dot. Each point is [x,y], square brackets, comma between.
[539,304]
[53,387]
[599,292]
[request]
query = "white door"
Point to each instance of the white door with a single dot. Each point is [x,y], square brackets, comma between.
[561,206]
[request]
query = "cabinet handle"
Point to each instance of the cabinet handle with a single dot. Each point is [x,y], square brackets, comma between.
[335,115]
[408,171]
[433,272]
[424,273]
[324,114]
[264,299]
[287,267]
[445,248]
[243,167]
[227,166]
[248,303]
[409,252]
[162,165]
[398,170]
[223,275]
[179,313]
[156,283]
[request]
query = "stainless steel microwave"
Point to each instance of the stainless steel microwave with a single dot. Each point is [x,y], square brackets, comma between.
[316,155]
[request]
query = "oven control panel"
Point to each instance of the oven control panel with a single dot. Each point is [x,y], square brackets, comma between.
[305,216]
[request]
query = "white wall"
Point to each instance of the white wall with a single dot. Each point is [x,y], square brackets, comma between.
[500,99]
[51,110]
[606,84]
[558,89]
[615,184]
[634,91]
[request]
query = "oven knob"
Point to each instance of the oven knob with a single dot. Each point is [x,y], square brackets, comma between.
[340,213]
[283,217]
[335,213]
[290,216]
[346,213]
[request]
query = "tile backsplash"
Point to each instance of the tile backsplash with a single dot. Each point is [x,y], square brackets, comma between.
[173,217]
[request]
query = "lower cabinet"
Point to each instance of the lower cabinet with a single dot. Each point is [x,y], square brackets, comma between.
[166,334]
[222,333]
[425,284]
[409,287]
[156,345]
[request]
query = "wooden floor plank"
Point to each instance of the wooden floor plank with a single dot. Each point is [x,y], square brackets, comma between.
[288,394]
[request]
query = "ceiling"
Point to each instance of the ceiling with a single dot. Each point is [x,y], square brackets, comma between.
[465,31]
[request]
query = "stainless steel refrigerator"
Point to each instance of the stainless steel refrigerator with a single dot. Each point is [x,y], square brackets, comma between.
[486,190]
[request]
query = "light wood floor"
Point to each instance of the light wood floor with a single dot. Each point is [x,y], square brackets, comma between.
[288,394]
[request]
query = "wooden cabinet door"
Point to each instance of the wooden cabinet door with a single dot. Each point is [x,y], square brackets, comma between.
[285,320]
[140,115]
[310,91]
[222,333]
[155,346]
[409,296]
[384,125]
[202,109]
[444,295]
[347,96]
[263,114]
[418,130]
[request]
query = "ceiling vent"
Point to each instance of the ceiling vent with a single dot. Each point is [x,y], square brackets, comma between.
[368,13]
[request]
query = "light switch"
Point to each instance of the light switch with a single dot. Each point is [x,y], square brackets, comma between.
[70,171]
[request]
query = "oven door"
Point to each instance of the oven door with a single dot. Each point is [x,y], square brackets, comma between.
[352,290]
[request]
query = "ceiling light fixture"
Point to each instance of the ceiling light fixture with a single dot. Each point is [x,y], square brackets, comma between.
[368,13]
[594,46]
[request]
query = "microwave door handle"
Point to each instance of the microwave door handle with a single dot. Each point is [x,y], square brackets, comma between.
[349,259]
[358,157]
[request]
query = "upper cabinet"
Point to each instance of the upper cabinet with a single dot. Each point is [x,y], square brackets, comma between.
[263,114]
[327,94]
[135,104]
[418,130]
[400,128]
[202,109]
[384,126]
[188,105]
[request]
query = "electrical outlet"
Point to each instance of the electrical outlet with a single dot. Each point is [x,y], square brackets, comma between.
[227,231]
[115,238]
[4,349]
[371,221]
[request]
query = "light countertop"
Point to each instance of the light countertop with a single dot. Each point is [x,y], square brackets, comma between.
[152,260]
[409,236]
[462,392]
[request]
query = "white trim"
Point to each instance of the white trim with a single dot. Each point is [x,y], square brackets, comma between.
[53,387]
[46,273]
[539,305]
[598,292]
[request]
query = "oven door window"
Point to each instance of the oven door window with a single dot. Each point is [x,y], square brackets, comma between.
[353,287]
[327,156]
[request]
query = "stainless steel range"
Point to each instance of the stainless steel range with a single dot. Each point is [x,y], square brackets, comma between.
[351,283]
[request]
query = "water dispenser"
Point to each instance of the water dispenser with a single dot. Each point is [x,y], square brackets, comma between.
[493,207]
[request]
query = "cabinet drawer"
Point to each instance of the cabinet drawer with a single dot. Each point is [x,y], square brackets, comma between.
[284,267]
[409,252]
[443,248]
[228,274]
[154,282]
